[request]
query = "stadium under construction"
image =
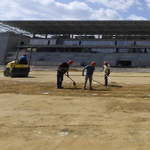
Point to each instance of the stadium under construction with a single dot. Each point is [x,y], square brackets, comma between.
[121,43]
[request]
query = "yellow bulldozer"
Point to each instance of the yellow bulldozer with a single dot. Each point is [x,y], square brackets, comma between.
[15,69]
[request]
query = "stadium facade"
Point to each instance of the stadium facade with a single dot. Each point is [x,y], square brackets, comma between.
[121,43]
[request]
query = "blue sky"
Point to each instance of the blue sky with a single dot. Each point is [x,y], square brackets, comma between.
[74,10]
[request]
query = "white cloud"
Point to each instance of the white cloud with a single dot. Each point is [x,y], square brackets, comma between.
[122,5]
[51,10]
[106,15]
[73,5]
[148,3]
[139,8]
[8,10]
[46,2]
[134,17]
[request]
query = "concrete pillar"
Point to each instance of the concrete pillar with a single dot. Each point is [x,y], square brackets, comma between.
[46,36]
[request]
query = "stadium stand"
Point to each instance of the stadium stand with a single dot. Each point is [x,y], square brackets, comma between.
[121,43]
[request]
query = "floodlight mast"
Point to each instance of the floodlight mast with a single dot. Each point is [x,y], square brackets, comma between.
[18,47]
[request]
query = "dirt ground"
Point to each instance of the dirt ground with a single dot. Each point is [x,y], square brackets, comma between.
[35,115]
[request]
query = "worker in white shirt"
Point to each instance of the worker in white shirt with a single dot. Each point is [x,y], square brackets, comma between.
[106,70]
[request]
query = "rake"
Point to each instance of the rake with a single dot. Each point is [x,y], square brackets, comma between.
[72,80]
[109,78]
[97,81]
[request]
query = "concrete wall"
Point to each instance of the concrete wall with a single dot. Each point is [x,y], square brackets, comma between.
[3,46]
[135,63]
[9,43]
[42,63]
[14,40]
[143,63]
[112,63]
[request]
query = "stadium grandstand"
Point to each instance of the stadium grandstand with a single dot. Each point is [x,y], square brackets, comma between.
[121,43]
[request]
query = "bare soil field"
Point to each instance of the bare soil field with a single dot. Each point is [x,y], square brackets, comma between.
[35,115]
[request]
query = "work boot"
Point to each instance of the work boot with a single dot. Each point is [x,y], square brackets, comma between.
[91,88]
[60,87]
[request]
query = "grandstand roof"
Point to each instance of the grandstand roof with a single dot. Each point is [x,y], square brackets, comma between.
[82,27]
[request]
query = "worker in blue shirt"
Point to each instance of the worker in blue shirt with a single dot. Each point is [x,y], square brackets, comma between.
[89,73]
[23,59]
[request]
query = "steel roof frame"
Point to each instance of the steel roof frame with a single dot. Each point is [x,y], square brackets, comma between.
[81,27]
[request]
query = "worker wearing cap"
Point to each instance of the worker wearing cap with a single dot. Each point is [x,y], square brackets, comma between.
[62,69]
[23,59]
[106,70]
[89,73]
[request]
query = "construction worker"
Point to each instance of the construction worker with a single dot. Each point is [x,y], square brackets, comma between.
[23,59]
[106,71]
[89,73]
[62,69]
